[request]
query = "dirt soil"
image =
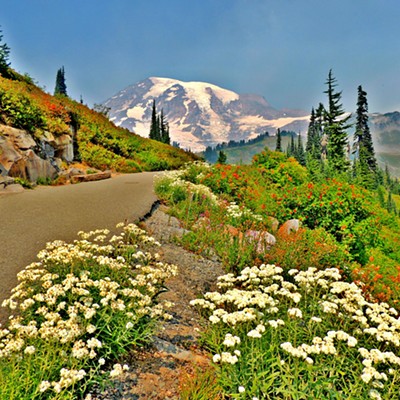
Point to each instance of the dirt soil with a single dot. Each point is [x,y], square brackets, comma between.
[158,372]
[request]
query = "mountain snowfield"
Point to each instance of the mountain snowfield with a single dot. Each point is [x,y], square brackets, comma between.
[200,114]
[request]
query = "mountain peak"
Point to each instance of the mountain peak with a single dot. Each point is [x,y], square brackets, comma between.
[199,113]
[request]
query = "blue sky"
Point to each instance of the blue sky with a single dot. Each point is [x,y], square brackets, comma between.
[280,49]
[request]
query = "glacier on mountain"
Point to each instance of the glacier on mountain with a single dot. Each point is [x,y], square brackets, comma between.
[200,114]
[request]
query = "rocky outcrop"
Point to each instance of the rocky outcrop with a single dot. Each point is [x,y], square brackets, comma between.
[23,156]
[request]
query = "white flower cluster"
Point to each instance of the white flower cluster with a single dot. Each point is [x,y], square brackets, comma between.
[175,179]
[240,212]
[68,377]
[67,294]
[118,369]
[316,299]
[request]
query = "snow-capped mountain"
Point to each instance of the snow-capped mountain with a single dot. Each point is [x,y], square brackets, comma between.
[200,114]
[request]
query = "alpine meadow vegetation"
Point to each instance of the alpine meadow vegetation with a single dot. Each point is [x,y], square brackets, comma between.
[312,315]
[78,309]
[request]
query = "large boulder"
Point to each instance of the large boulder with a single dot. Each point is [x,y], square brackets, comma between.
[31,167]
[292,225]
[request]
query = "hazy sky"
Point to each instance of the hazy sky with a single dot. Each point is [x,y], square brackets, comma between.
[280,49]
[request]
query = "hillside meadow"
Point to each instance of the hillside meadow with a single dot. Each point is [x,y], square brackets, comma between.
[97,141]
[313,316]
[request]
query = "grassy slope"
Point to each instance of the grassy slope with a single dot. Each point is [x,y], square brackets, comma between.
[100,143]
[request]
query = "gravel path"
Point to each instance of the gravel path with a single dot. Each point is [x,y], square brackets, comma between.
[30,219]
[157,373]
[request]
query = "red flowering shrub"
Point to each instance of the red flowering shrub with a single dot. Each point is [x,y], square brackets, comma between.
[307,248]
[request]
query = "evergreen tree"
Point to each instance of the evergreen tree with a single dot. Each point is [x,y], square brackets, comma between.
[311,133]
[300,154]
[61,87]
[158,129]
[288,152]
[153,124]
[313,145]
[4,55]
[164,129]
[363,146]
[387,177]
[162,126]
[381,195]
[221,157]
[278,141]
[210,154]
[292,147]
[335,126]
[390,204]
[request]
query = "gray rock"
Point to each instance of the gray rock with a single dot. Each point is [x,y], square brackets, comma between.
[292,225]
[64,147]
[264,239]
[32,167]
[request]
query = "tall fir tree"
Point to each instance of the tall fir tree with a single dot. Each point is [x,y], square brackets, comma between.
[159,128]
[61,87]
[164,129]
[292,146]
[153,125]
[4,56]
[311,132]
[390,204]
[278,141]
[363,146]
[221,157]
[300,154]
[313,144]
[335,126]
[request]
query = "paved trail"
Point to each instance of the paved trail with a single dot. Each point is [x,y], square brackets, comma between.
[30,219]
